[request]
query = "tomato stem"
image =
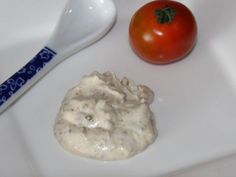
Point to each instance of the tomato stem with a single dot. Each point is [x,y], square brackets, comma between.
[165,15]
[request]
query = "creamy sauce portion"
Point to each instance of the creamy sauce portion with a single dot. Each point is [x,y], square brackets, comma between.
[106,118]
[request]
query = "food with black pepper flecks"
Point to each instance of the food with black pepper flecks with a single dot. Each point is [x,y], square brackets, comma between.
[106,118]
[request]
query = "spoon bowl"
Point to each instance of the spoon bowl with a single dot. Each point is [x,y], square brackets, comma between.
[82,23]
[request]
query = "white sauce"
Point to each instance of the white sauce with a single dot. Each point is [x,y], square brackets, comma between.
[105,118]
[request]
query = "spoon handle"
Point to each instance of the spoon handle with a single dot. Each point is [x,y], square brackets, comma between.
[19,82]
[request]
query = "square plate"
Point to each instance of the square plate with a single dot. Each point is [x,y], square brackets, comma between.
[194,105]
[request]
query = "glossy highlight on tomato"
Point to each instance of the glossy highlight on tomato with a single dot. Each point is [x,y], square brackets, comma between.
[162,31]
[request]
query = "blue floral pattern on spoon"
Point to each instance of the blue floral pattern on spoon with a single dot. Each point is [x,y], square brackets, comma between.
[14,83]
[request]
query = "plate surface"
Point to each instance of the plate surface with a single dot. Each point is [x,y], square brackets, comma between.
[194,105]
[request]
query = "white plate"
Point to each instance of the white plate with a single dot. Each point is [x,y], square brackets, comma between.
[194,107]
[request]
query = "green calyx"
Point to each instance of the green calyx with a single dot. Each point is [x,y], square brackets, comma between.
[165,15]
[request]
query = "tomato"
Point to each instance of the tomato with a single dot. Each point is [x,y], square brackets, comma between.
[162,31]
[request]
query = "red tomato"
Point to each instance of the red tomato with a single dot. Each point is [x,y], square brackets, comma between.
[162,31]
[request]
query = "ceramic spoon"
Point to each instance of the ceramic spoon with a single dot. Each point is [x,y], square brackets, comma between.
[82,23]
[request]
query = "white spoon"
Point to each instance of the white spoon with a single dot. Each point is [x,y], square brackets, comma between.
[82,23]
